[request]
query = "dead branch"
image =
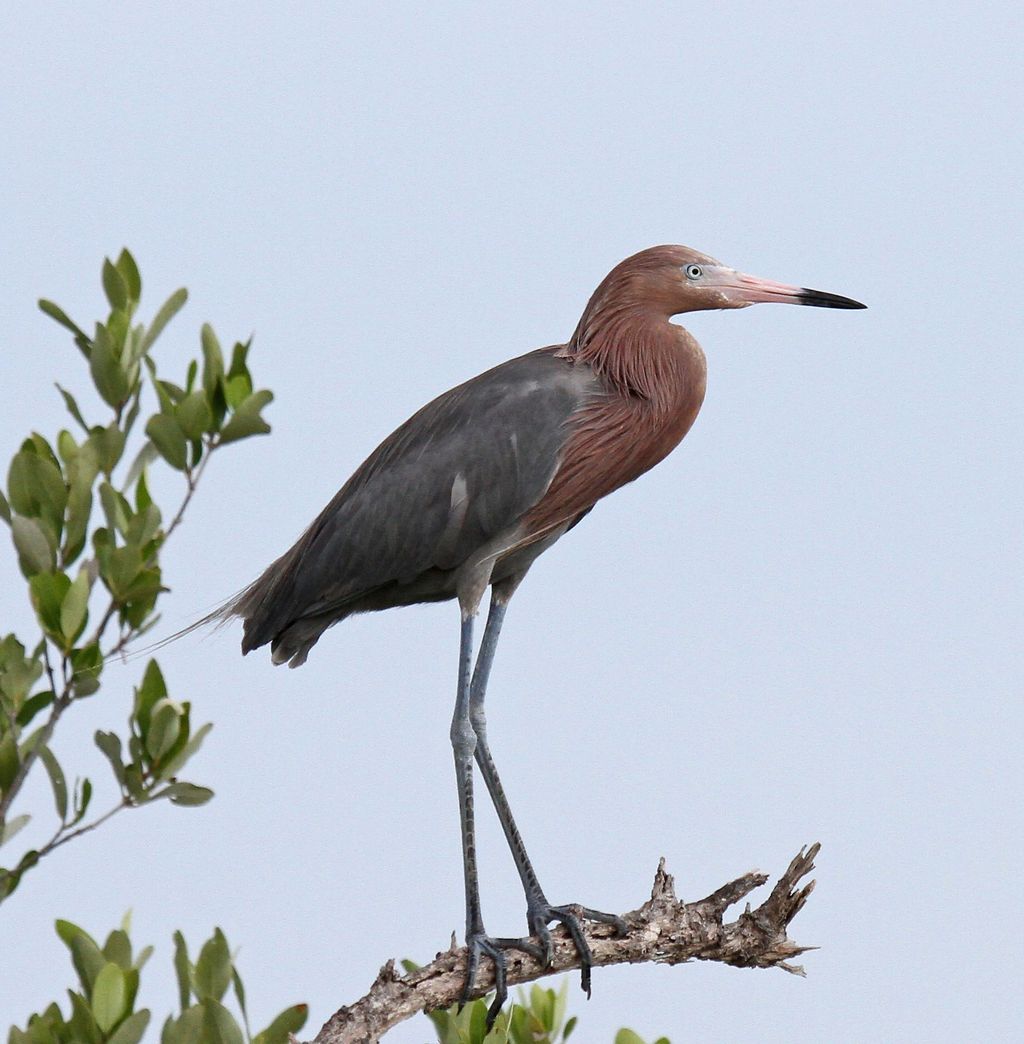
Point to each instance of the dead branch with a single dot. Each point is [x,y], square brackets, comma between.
[664,929]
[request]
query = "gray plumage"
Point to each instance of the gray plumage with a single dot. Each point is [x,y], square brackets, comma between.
[451,483]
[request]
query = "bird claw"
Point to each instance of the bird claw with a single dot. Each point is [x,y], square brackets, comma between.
[540,914]
[478,943]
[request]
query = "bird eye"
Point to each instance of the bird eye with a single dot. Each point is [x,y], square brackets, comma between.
[694,271]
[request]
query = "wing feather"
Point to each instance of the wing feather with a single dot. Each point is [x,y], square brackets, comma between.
[460,471]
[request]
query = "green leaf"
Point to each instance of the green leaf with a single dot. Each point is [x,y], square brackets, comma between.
[152,688]
[144,526]
[108,444]
[83,795]
[85,954]
[12,826]
[20,487]
[142,593]
[115,507]
[238,382]
[76,526]
[174,764]
[239,353]
[569,1027]
[212,974]
[168,310]
[137,788]
[213,359]
[187,794]
[36,486]
[291,1020]
[9,760]
[194,414]
[121,568]
[237,390]
[169,439]
[187,1029]
[107,373]
[18,672]
[560,1000]
[133,411]
[182,970]
[109,997]
[164,727]
[131,980]
[57,781]
[83,1026]
[48,591]
[32,706]
[142,495]
[477,1023]
[169,394]
[246,419]
[42,447]
[219,1027]
[110,744]
[144,955]
[118,329]
[35,553]
[86,665]
[627,1036]
[129,272]
[66,446]
[142,460]
[118,948]
[114,285]
[542,1004]
[56,313]
[236,982]
[74,608]
[5,509]
[72,405]
[132,1030]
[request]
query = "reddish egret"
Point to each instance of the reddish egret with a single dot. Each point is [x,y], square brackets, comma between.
[473,487]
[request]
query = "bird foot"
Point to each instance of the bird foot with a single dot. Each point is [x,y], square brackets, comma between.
[538,945]
[479,943]
[541,913]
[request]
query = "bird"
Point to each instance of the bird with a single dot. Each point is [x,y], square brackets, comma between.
[470,490]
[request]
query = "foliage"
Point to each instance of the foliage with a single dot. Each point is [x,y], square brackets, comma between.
[103,1008]
[537,1017]
[88,535]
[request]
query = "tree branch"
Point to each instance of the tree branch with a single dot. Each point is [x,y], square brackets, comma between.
[664,929]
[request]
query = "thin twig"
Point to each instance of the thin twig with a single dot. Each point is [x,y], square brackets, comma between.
[192,477]
[56,841]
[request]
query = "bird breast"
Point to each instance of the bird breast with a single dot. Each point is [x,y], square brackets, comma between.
[625,431]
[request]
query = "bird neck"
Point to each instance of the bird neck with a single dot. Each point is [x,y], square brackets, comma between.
[637,350]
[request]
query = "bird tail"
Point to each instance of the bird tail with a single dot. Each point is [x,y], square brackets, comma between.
[216,619]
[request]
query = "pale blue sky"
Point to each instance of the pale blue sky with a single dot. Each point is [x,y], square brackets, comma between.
[803,626]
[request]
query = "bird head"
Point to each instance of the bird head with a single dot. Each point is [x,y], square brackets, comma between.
[679,279]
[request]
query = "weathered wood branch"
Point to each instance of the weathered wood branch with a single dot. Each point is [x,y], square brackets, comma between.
[664,929]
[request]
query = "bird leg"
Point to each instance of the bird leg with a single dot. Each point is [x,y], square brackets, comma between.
[539,912]
[464,744]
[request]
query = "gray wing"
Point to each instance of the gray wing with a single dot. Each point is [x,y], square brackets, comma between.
[456,474]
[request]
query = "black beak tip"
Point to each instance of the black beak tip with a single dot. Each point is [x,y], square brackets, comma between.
[822,299]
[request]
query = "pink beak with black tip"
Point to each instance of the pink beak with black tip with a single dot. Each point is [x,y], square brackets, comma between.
[740,290]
